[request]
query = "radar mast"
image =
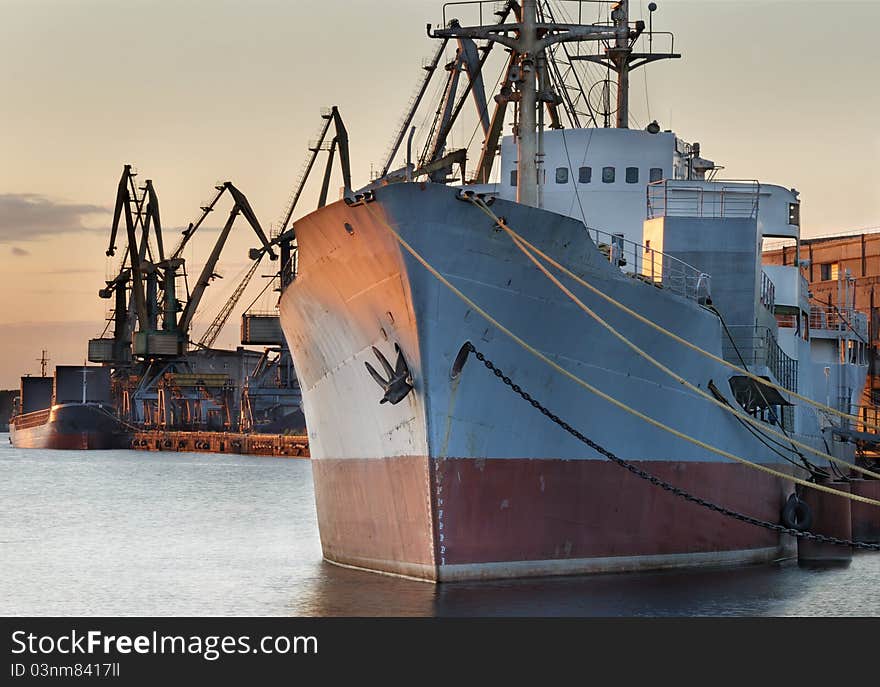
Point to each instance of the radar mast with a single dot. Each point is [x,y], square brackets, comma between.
[528,39]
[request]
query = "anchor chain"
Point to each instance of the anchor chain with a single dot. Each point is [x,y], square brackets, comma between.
[666,486]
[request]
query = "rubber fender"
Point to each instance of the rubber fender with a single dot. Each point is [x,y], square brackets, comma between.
[797,514]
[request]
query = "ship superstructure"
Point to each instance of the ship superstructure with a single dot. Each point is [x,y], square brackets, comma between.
[667,344]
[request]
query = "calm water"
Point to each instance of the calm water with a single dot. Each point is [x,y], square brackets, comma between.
[130,533]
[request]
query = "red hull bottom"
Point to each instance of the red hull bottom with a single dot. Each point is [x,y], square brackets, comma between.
[460,519]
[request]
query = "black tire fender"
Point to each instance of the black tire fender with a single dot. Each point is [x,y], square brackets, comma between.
[797,514]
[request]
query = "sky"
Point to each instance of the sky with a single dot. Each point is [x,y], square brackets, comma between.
[192,93]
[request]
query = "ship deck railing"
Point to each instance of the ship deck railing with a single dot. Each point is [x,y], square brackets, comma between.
[869,418]
[757,346]
[652,266]
[828,321]
[842,320]
[725,198]
[32,419]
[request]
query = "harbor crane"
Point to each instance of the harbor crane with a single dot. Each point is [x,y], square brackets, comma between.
[285,237]
[159,376]
[241,206]
[150,276]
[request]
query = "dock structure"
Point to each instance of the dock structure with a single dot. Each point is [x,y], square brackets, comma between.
[281,445]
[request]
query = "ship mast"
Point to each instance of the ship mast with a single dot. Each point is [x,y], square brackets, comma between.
[44,362]
[527,39]
[620,56]
[527,136]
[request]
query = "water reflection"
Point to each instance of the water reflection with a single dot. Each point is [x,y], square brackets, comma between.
[131,533]
[752,591]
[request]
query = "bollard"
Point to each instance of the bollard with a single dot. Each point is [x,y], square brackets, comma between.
[832,516]
[865,517]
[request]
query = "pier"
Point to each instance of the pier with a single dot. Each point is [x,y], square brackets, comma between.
[281,445]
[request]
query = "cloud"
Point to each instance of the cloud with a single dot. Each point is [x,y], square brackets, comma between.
[30,216]
[69,270]
[20,252]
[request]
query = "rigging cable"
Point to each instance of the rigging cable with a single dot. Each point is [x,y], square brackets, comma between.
[773,415]
[653,479]
[271,281]
[841,316]
[598,392]
[766,440]
[486,109]
[577,193]
[675,337]
[654,361]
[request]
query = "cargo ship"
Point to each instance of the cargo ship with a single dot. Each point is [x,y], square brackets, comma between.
[72,410]
[428,465]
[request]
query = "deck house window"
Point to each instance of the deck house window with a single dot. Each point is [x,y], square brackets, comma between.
[562,175]
[632,175]
[656,174]
[585,175]
[608,175]
[513,177]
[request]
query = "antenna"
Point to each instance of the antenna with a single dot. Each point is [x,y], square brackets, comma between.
[620,58]
[44,363]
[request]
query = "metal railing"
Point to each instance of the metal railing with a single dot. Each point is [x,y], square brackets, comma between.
[33,419]
[832,318]
[758,347]
[869,417]
[653,266]
[787,321]
[717,199]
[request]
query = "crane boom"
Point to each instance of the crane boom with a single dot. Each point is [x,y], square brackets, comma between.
[243,207]
[207,273]
[310,161]
[211,334]
[193,226]
[241,202]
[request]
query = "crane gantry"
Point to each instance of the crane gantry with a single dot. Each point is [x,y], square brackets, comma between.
[147,306]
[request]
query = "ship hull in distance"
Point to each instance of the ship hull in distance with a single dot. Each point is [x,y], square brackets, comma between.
[69,426]
[462,479]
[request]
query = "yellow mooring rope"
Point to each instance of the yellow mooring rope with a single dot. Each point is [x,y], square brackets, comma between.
[601,394]
[656,363]
[673,335]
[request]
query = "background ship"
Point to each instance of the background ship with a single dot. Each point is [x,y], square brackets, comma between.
[440,471]
[71,410]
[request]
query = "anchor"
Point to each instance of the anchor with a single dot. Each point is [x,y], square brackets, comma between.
[399,382]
